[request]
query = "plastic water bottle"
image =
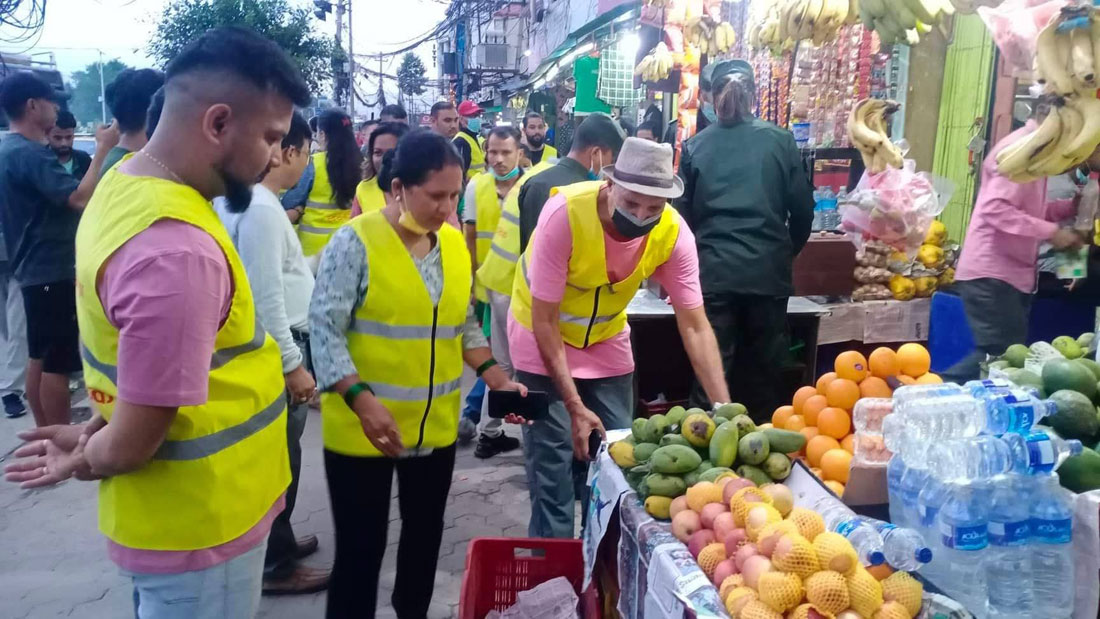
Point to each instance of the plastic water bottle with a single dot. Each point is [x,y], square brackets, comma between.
[1013,410]
[1051,552]
[905,548]
[909,393]
[819,212]
[929,503]
[942,417]
[830,214]
[1008,566]
[895,470]
[863,537]
[978,388]
[982,457]
[964,535]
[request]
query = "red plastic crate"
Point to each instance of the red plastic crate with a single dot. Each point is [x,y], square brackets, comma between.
[499,568]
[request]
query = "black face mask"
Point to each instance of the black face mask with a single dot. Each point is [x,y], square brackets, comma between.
[631,227]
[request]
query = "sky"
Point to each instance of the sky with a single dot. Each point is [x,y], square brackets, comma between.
[77,31]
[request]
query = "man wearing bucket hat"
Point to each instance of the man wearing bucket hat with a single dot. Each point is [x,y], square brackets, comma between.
[747,195]
[594,244]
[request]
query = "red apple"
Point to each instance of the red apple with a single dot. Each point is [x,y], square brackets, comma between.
[734,540]
[733,486]
[710,512]
[723,525]
[724,570]
[699,541]
[743,554]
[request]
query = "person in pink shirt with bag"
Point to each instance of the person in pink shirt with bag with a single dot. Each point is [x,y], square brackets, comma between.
[996,276]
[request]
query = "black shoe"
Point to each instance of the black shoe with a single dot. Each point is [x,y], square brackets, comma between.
[13,406]
[487,447]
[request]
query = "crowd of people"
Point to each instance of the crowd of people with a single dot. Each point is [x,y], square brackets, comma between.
[220,262]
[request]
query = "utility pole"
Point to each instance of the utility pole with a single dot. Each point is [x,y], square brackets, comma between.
[339,44]
[102,89]
[351,66]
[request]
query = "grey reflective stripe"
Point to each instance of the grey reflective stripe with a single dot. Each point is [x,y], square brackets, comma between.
[413,394]
[506,216]
[484,235]
[322,206]
[203,446]
[110,371]
[404,332]
[566,316]
[225,355]
[316,229]
[504,253]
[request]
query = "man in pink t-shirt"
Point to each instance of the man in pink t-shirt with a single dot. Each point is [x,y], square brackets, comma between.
[590,383]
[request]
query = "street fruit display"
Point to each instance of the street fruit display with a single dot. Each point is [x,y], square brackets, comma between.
[1066,61]
[709,35]
[867,132]
[789,21]
[903,21]
[656,65]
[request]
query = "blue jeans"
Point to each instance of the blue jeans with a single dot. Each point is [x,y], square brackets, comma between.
[473,402]
[230,589]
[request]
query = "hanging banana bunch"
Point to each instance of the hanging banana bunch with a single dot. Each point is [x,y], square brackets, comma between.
[709,35]
[656,65]
[867,132]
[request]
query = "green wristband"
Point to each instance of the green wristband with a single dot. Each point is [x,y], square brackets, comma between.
[485,366]
[354,391]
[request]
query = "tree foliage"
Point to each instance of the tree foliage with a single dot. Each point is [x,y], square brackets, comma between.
[410,75]
[291,27]
[85,90]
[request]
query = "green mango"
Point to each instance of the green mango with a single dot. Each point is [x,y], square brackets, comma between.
[745,424]
[673,439]
[675,415]
[1016,355]
[723,444]
[753,448]
[660,484]
[777,466]
[643,451]
[729,411]
[754,474]
[637,430]
[674,460]
[784,441]
[712,474]
[656,427]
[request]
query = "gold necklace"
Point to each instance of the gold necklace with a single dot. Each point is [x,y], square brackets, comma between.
[162,166]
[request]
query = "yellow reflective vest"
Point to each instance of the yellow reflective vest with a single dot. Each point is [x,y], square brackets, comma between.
[548,152]
[223,463]
[477,155]
[408,349]
[593,308]
[370,196]
[322,215]
[497,269]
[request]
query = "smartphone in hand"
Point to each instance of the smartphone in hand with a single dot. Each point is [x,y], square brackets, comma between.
[535,406]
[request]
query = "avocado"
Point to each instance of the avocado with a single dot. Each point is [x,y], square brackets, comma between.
[1060,374]
[1076,416]
[1081,473]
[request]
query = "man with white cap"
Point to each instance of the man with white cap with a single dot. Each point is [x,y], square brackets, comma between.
[594,244]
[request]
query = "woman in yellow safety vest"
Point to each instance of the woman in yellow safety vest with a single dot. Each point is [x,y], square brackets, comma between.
[337,173]
[391,326]
[369,195]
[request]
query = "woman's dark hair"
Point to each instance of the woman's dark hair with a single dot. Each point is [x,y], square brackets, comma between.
[343,158]
[733,98]
[129,94]
[385,175]
[420,153]
[397,130]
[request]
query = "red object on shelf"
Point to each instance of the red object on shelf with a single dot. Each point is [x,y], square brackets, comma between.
[499,568]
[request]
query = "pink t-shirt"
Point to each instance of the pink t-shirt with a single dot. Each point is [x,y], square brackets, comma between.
[168,290]
[679,276]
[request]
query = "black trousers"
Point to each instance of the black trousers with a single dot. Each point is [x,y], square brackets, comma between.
[753,340]
[997,314]
[359,489]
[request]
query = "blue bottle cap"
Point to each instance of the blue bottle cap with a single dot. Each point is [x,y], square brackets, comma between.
[876,557]
[924,555]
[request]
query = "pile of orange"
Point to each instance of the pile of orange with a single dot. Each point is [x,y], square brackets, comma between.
[823,412]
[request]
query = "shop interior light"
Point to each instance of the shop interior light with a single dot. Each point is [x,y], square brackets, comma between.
[629,44]
[527,52]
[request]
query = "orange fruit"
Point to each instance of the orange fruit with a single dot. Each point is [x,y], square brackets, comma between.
[818,446]
[851,364]
[800,397]
[809,432]
[848,443]
[835,464]
[906,380]
[794,423]
[834,422]
[842,393]
[816,471]
[929,379]
[824,381]
[883,362]
[836,487]
[914,360]
[781,415]
[874,387]
[814,405]
[880,571]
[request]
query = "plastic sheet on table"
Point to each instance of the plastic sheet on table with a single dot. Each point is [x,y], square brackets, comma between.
[553,599]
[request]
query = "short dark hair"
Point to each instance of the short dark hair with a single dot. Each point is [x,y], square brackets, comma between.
[152,117]
[65,120]
[129,94]
[20,87]
[384,178]
[248,56]
[528,116]
[299,134]
[653,126]
[504,132]
[439,106]
[599,129]
[394,111]
[420,153]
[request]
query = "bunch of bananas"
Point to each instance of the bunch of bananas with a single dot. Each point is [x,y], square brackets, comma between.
[788,21]
[903,21]
[867,132]
[1066,60]
[709,35]
[656,65]
[968,7]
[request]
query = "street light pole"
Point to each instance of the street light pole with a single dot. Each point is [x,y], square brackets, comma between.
[102,89]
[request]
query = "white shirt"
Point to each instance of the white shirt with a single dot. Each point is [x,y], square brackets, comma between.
[280,277]
[469,203]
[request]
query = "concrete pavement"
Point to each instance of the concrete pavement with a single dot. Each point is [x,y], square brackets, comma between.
[53,560]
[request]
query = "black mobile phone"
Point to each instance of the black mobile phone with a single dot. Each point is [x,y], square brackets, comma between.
[535,406]
[594,441]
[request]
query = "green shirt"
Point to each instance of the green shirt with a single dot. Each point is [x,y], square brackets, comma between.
[113,157]
[750,204]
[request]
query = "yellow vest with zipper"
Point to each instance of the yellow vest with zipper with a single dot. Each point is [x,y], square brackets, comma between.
[594,308]
[497,270]
[322,215]
[223,463]
[477,155]
[370,196]
[406,348]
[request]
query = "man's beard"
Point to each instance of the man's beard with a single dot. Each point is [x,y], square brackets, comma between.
[63,151]
[238,194]
[536,140]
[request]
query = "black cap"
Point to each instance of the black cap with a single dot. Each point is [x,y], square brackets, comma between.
[17,88]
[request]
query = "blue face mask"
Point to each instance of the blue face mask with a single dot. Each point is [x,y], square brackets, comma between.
[594,175]
[506,177]
[709,113]
[474,124]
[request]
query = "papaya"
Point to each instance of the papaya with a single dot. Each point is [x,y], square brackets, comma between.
[784,441]
[660,484]
[674,459]
[723,444]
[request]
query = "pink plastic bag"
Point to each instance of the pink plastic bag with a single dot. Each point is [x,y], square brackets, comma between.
[1015,27]
[895,207]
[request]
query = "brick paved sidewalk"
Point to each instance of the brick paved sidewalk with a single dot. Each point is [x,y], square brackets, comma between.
[53,561]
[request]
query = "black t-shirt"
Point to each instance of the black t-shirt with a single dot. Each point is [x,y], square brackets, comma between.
[39,227]
[536,155]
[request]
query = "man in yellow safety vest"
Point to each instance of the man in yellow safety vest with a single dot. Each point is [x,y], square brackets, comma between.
[468,139]
[534,138]
[190,437]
